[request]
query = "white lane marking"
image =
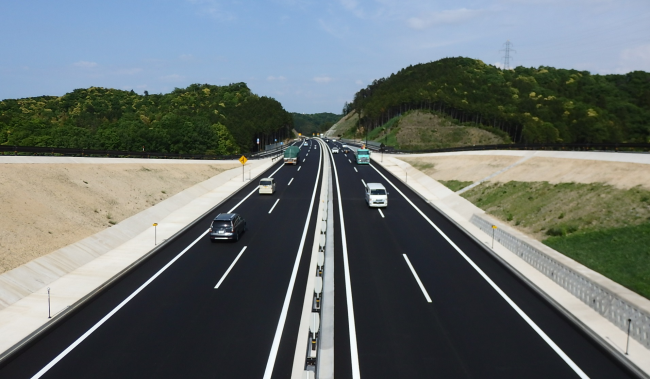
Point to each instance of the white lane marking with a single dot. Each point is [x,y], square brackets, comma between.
[349,161]
[287,299]
[355,170]
[304,158]
[381,213]
[307,155]
[290,182]
[521,313]
[364,183]
[253,191]
[274,204]
[111,313]
[354,353]
[123,303]
[299,168]
[424,291]
[230,268]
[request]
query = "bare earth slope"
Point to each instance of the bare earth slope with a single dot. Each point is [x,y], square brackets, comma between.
[45,207]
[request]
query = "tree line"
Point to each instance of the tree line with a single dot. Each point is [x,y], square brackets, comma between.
[199,119]
[531,105]
[307,124]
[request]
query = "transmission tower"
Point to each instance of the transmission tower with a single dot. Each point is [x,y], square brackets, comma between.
[507,57]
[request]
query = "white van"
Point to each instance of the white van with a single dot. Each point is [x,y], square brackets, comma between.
[267,185]
[376,195]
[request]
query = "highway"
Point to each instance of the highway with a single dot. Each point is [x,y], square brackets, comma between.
[468,329]
[415,297]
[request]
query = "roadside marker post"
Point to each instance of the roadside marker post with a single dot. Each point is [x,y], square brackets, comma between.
[49,313]
[629,325]
[243,161]
[494,227]
[155,232]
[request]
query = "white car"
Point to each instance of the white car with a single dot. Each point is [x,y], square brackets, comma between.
[335,150]
[267,185]
[376,195]
[306,144]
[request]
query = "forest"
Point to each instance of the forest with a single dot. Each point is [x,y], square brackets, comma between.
[307,124]
[199,119]
[531,105]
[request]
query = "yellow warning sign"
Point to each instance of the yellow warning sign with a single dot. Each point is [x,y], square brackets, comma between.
[243,160]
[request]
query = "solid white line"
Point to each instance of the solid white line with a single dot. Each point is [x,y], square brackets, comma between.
[287,299]
[230,268]
[355,169]
[521,313]
[299,168]
[364,183]
[274,204]
[290,182]
[111,313]
[381,213]
[253,191]
[354,353]
[424,291]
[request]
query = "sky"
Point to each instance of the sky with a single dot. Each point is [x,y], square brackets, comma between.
[311,55]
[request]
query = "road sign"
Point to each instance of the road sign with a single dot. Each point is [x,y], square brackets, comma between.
[243,160]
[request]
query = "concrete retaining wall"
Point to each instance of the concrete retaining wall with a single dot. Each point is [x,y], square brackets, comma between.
[604,301]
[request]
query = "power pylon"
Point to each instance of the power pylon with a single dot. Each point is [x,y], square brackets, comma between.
[506,57]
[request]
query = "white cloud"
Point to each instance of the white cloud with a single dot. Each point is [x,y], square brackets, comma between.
[337,31]
[212,9]
[454,16]
[322,79]
[273,78]
[85,64]
[172,78]
[498,65]
[358,82]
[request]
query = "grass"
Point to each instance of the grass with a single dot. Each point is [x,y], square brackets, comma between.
[605,228]
[621,254]
[455,185]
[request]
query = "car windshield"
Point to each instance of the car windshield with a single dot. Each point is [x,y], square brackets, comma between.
[265,183]
[220,224]
[377,192]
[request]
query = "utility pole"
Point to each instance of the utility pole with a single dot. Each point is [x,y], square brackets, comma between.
[506,57]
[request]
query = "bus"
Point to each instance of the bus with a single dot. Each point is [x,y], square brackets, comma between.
[363,156]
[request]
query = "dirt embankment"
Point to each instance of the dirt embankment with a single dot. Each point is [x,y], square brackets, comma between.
[45,207]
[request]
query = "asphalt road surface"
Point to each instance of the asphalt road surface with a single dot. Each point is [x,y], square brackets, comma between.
[454,323]
[415,298]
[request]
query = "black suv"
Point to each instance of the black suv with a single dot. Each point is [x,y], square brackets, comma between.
[227,226]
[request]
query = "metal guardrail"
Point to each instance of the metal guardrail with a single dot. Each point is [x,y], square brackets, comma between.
[57,151]
[603,301]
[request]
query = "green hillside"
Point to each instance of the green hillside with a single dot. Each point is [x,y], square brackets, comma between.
[199,119]
[307,124]
[531,105]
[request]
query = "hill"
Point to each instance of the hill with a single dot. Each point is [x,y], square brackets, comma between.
[542,104]
[199,119]
[307,124]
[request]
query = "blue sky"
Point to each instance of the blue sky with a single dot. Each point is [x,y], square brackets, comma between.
[312,56]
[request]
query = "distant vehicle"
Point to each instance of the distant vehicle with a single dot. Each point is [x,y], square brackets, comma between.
[292,155]
[376,195]
[335,150]
[346,149]
[227,226]
[363,156]
[306,144]
[267,185]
